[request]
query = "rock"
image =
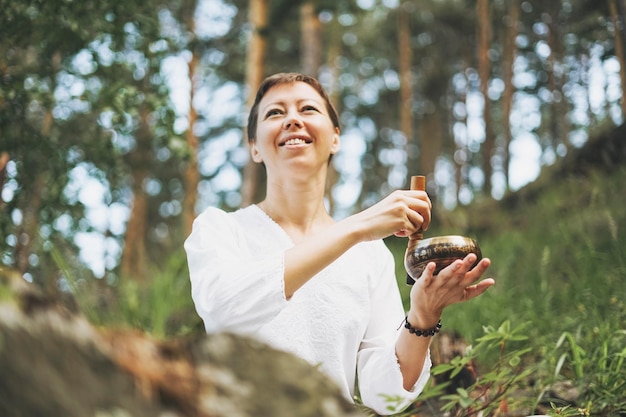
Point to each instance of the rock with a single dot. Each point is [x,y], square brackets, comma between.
[561,394]
[53,362]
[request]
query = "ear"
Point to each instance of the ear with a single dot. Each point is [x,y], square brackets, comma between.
[334,148]
[255,154]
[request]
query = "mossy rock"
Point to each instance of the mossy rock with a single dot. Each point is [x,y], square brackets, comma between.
[53,362]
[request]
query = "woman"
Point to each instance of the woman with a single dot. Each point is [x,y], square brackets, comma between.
[285,271]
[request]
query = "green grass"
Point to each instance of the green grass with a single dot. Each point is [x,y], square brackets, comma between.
[161,307]
[559,259]
[556,260]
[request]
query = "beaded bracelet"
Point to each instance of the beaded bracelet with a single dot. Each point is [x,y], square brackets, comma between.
[426,333]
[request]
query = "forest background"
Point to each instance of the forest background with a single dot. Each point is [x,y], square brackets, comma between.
[121,121]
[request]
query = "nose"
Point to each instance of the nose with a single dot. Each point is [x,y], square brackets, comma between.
[292,121]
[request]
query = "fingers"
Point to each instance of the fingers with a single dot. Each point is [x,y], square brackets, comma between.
[418,213]
[402,213]
[473,273]
[454,283]
[420,210]
[428,274]
[464,269]
[475,290]
[419,219]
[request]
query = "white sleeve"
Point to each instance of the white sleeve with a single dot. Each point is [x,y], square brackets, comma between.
[379,376]
[233,289]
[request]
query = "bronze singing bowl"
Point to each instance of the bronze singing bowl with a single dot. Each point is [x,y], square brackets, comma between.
[443,250]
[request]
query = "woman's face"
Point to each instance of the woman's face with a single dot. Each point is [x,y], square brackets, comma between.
[294,130]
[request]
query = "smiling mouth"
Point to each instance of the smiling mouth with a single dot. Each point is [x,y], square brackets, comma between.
[295,141]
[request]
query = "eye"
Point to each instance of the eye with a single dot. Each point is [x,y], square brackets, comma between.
[273,112]
[309,107]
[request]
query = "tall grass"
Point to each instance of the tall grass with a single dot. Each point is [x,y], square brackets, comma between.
[161,307]
[559,260]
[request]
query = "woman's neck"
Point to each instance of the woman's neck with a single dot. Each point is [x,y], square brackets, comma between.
[300,211]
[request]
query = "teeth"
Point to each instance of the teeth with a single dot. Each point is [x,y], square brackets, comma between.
[295,141]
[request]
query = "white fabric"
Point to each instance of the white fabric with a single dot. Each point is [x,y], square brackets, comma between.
[343,319]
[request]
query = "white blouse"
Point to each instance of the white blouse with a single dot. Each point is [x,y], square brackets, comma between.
[344,320]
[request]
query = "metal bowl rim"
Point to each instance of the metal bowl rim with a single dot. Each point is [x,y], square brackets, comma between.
[460,240]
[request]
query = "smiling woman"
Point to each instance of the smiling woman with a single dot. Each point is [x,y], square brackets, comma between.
[294,120]
[286,272]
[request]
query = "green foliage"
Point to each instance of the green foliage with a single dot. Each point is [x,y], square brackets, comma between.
[559,259]
[595,357]
[81,89]
[507,374]
[162,307]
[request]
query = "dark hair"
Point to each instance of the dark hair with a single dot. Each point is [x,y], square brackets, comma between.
[286,78]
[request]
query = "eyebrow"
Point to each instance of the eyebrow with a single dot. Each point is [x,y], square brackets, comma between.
[282,103]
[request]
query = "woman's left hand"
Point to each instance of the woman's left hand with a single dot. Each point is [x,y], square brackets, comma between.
[431,294]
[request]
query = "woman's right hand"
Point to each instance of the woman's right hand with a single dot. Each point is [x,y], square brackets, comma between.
[402,213]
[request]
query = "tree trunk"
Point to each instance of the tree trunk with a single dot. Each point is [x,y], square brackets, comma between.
[334,52]
[405,59]
[461,153]
[585,70]
[508,59]
[430,133]
[27,231]
[254,77]
[310,41]
[4,160]
[192,175]
[557,129]
[134,263]
[484,70]
[618,24]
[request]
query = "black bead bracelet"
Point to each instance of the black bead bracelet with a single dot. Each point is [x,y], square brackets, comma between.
[425,333]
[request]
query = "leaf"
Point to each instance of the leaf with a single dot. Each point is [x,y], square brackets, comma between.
[559,364]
